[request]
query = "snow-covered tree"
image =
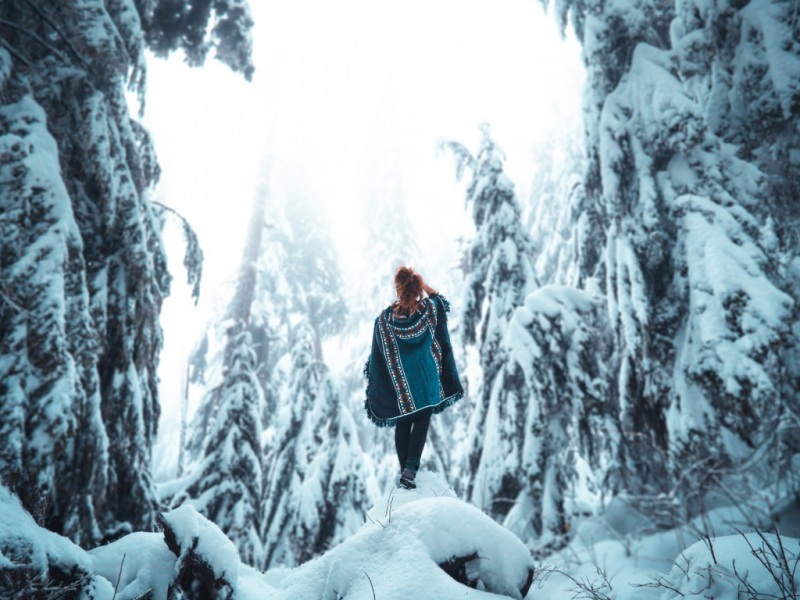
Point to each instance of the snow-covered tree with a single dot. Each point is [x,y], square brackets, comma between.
[196,27]
[561,227]
[83,272]
[49,383]
[559,349]
[691,111]
[260,306]
[226,485]
[501,274]
[314,492]
[310,267]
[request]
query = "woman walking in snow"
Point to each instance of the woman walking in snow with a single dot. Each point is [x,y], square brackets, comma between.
[411,372]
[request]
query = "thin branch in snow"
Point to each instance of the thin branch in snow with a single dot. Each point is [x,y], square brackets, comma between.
[370,585]
[388,512]
[710,544]
[659,583]
[375,522]
[586,589]
[119,577]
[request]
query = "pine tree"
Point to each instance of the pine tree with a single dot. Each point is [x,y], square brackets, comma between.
[501,274]
[311,268]
[48,369]
[690,113]
[226,486]
[83,270]
[196,27]
[314,493]
[566,249]
[556,379]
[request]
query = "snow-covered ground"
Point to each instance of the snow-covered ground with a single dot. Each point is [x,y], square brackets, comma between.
[410,534]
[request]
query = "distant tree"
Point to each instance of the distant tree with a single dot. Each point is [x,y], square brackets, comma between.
[314,493]
[260,307]
[501,274]
[563,225]
[82,272]
[226,485]
[310,267]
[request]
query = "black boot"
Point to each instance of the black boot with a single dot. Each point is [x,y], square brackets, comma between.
[407,479]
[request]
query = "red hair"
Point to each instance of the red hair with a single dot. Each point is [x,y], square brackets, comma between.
[409,289]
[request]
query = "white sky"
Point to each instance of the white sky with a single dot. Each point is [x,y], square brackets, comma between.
[344,90]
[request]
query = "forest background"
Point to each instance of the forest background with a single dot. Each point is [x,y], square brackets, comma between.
[627,322]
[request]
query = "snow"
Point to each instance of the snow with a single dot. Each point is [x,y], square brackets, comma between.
[135,564]
[728,567]
[624,555]
[397,551]
[200,535]
[620,552]
[552,300]
[39,547]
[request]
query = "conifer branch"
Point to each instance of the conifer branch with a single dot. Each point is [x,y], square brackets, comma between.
[64,39]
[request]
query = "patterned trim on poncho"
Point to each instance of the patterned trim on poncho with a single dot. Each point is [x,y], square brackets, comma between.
[389,334]
[388,364]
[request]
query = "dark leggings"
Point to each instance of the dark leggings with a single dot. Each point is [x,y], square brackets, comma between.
[409,438]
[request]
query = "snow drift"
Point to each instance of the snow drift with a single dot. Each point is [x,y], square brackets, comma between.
[421,543]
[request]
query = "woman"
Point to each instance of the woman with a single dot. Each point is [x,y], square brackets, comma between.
[411,372]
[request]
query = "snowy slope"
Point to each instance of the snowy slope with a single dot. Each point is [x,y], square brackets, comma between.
[404,547]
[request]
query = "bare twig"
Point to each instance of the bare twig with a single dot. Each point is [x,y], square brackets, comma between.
[119,577]
[710,544]
[388,504]
[378,522]
[659,583]
[370,585]
[588,589]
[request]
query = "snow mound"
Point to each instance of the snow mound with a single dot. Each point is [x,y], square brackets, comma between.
[416,544]
[421,544]
[750,565]
[36,562]
[429,485]
[30,550]
[187,532]
[141,562]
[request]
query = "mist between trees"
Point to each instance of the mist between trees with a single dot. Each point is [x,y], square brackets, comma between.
[626,332]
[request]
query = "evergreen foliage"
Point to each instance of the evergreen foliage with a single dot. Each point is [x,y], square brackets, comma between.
[691,109]
[315,494]
[555,386]
[196,27]
[501,274]
[226,486]
[563,227]
[287,298]
[83,270]
[310,267]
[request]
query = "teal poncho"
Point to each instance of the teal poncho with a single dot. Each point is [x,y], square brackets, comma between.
[411,365]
